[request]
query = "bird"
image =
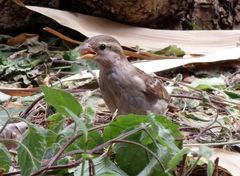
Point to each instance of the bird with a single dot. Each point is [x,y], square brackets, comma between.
[125,88]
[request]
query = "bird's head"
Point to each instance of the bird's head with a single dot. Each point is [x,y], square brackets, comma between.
[102,48]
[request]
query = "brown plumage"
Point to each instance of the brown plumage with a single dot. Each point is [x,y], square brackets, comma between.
[124,87]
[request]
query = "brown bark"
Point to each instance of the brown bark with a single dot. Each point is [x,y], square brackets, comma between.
[213,14]
[14,18]
[161,14]
[140,12]
[237,15]
[167,14]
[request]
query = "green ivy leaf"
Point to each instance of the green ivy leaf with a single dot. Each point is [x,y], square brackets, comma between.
[123,123]
[153,167]
[51,137]
[31,150]
[171,126]
[172,164]
[163,133]
[55,122]
[205,152]
[80,124]
[131,158]
[232,94]
[5,159]
[88,114]
[162,128]
[103,167]
[94,139]
[60,100]
[52,150]
[210,168]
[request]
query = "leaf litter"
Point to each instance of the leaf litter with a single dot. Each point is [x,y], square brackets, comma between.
[202,119]
[206,106]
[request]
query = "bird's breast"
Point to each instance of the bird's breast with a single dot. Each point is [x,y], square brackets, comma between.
[109,85]
[122,91]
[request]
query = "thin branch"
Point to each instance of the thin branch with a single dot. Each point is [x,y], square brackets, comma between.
[91,168]
[219,126]
[75,152]
[12,173]
[182,169]
[206,128]
[200,98]
[26,112]
[213,144]
[154,141]
[212,97]
[215,172]
[83,165]
[9,119]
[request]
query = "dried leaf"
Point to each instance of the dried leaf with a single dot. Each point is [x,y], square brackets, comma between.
[161,65]
[22,38]
[19,91]
[200,42]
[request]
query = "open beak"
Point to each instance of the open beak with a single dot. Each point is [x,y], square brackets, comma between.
[87,52]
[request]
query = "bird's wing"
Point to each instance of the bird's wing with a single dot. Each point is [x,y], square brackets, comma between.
[154,87]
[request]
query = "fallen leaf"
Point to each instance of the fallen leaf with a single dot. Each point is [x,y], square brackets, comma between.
[4,97]
[208,83]
[22,38]
[15,104]
[19,91]
[197,42]
[161,65]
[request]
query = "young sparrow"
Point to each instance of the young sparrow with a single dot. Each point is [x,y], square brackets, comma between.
[124,87]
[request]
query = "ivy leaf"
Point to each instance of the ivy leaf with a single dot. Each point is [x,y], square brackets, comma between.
[163,135]
[232,94]
[80,124]
[123,123]
[5,159]
[60,100]
[154,167]
[205,152]
[210,168]
[172,164]
[31,150]
[131,158]
[103,167]
[94,139]
[55,122]
[88,114]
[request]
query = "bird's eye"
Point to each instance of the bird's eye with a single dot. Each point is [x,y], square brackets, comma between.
[102,46]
